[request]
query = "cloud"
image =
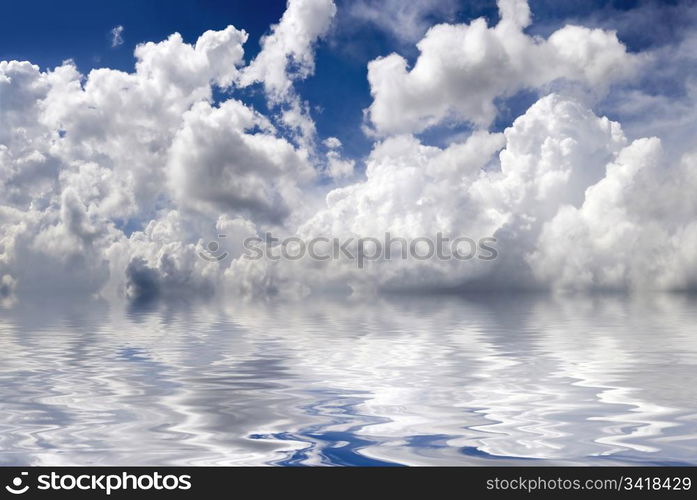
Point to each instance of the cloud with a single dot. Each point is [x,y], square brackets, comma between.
[405,21]
[634,229]
[573,204]
[332,143]
[112,182]
[217,164]
[116,38]
[504,185]
[287,53]
[82,156]
[462,69]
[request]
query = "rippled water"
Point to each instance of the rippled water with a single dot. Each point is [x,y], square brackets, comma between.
[512,380]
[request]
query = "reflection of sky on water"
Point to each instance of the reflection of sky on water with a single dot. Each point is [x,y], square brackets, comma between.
[506,380]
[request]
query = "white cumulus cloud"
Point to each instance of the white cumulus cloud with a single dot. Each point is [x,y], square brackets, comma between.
[112,182]
[462,69]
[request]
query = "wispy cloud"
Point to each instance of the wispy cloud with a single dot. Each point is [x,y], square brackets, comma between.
[406,21]
[116,38]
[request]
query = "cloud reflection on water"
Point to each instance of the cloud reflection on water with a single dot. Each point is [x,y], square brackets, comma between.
[443,380]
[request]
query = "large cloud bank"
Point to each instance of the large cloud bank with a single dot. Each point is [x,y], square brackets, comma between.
[110,182]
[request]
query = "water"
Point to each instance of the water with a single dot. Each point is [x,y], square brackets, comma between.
[441,381]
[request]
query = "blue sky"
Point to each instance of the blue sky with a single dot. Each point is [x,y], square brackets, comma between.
[48,33]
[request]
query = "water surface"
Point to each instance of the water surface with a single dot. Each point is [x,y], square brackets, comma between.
[418,381]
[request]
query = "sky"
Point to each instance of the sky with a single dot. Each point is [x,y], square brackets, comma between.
[131,133]
[363,30]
